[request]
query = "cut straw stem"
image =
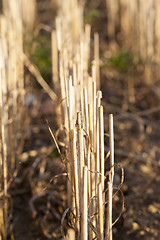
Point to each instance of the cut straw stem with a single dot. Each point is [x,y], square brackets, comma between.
[99,96]
[111,144]
[100,213]
[101,141]
[55,62]
[86,110]
[75,172]
[80,156]
[94,109]
[92,167]
[109,213]
[96,58]
[84,216]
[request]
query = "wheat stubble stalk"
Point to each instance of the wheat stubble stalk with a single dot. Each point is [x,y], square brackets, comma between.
[83,118]
[109,212]
[84,213]
[12,95]
[138,22]
[81,114]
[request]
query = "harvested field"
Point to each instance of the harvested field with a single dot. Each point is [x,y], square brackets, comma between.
[58,161]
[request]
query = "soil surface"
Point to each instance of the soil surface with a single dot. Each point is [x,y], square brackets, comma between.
[39,202]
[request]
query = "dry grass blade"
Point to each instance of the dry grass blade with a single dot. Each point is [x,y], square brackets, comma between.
[34,70]
[55,141]
[122,208]
[62,222]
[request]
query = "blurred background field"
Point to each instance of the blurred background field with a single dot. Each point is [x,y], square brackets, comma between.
[129,38]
